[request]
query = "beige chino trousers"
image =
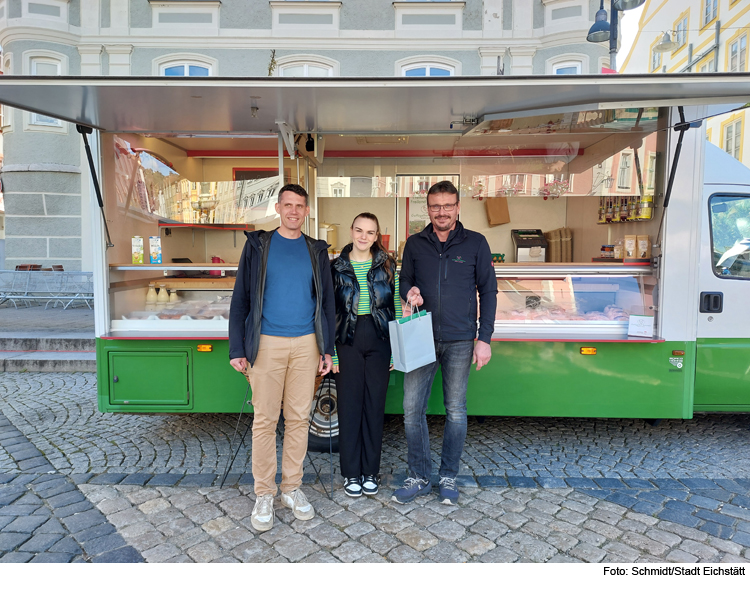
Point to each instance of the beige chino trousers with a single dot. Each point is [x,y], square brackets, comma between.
[284,371]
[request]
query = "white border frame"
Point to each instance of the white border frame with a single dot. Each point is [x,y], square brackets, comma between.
[567,59]
[61,4]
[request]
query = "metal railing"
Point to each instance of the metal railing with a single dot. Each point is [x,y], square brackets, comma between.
[54,287]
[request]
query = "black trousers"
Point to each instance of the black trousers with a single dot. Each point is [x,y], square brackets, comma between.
[361,386]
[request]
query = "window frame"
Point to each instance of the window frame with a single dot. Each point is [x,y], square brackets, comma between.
[684,18]
[737,141]
[427,61]
[737,39]
[29,59]
[621,169]
[306,60]
[711,233]
[653,54]
[704,12]
[161,63]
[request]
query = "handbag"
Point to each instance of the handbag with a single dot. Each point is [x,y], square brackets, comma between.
[412,343]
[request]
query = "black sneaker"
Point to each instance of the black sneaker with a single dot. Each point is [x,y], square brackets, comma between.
[413,488]
[448,491]
[370,485]
[353,487]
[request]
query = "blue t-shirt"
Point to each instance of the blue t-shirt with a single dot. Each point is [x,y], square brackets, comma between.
[288,298]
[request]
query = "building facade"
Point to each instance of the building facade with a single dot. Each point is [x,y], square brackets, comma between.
[44,173]
[711,36]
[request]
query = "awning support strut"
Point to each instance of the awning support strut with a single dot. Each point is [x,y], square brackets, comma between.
[84,131]
[682,127]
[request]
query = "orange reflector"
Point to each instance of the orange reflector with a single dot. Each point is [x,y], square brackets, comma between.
[205,348]
[678,353]
[588,350]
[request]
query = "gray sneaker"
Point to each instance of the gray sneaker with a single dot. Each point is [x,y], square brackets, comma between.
[298,503]
[448,491]
[262,516]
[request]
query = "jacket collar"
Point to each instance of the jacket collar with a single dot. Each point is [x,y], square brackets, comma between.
[261,238]
[378,259]
[458,234]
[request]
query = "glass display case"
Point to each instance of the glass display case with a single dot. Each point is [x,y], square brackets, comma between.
[571,301]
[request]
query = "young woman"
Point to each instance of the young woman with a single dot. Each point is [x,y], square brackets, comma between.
[365,285]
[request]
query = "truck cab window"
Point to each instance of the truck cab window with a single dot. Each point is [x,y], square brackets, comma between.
[730,236]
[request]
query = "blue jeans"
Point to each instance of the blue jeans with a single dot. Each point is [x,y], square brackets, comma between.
[454,358]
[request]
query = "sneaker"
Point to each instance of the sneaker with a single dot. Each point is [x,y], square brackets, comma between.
[353,487]
[298,503]
[448,491]
[413,488]
[370,485]
[262,516]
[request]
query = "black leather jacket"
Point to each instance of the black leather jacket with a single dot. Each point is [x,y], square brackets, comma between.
[346,295]
[246,310]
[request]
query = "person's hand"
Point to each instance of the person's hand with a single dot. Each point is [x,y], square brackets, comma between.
[238,363]
[390,368]
[326,363]
[335,368]
[482,354]
[414,297]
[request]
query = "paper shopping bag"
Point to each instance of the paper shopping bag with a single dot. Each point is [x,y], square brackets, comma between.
[412,343]
[497,211]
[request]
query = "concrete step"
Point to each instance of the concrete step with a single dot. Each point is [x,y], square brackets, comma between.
[47,361]
[60,343]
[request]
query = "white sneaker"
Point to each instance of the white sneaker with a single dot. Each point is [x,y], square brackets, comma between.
[298,503]
[262,516]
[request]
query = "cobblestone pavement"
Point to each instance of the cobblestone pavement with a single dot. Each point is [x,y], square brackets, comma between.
[541,490]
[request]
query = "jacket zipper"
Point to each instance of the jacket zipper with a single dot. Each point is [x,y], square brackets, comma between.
[440,302]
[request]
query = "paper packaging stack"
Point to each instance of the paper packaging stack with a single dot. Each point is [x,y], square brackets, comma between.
[560,245]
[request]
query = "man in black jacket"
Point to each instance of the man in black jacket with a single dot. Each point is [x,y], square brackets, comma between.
[281,331]
[443,268]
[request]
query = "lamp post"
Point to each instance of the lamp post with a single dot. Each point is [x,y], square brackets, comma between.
[602,30]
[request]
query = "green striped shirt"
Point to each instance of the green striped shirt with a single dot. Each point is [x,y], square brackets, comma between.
[363,307]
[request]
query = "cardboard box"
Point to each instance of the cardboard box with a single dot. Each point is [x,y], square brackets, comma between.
[137,243]
[497,211]
[154,249]
[631,246]
[644,246]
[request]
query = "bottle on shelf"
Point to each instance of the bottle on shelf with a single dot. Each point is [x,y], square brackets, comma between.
[602,213]
[647,207]
[608,216]
[624,209]
[173,297]
[151,294]
[616,210]
[631,209]
[163,296]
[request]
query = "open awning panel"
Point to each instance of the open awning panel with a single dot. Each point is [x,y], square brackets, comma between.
[348,105]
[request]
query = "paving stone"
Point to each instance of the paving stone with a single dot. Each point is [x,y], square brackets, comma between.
[619,549]
[52,557]
[16,557]
[379,542]
[25,524]
[343,519]
[198,480]
[147,540]
[725,546]
[742,538]
[320,557]
[682,531]
[417,538]
[699,483]
[218,526]
[475,545]
[358,529]
[679,517]
[161,553]
[447,530]
[254,551]
[702,551]
[108,506]
[234,537]
[718,530]
[296,547]
[187,499]
[51,526]
[464,515]
[499,555]
[387,520]
[165,516]
[202,513]
[103,529]
[587,552]
[326,536]
[527,547]
[205,552]
[85,520]
[591,537]
[404,554]
[124,555]
[124,518]
[604,529]
[141,495]
[175,527]
[446,552]
[181,559]
[571,516]
[69,510]
[103,544]
[632,525]
[165,480]
[711,516]
[154,506]
[489,529]
[190,538]
[707,502]
[40,543]
[137,479]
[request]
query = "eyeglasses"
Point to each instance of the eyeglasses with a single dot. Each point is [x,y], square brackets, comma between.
[447,208]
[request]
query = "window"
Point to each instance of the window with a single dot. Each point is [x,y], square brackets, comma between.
[566,68]
[306,71]
[738,54]
[338,192]
[730,236]
[710,8]
[707,66]
[185,70]
[651,172]
[306,66]
[655,60]
[733,138]
[427,70]
[623,176]
[42,66]
[681,29]
[184,64]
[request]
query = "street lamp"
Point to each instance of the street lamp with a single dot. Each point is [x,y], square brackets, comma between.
[602,31]
[666,44]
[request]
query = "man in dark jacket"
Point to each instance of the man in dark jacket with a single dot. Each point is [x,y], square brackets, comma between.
[281,332]
[443,268]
